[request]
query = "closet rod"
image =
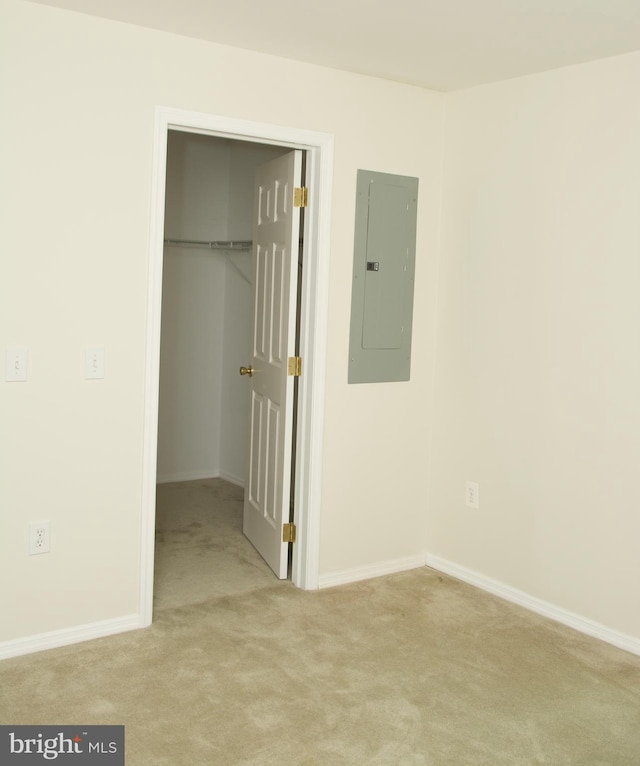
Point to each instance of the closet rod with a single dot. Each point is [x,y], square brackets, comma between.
[242,244]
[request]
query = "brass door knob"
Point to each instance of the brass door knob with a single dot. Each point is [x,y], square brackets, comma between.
[247,371]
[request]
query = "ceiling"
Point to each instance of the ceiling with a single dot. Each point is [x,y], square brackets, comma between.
[439,44]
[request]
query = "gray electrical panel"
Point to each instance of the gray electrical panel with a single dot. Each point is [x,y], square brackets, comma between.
[383,278]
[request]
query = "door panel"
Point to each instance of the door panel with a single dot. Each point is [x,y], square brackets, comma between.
[276,230]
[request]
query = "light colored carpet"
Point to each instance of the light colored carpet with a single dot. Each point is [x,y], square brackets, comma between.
[201,552]
[412,669]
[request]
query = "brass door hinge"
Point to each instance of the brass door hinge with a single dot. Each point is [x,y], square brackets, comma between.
[300,196]
[295,366]
[288,533]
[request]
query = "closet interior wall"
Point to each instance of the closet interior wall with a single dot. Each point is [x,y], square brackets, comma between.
[206,307]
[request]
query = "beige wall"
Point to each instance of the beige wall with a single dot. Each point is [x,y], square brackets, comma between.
[78,98]
[539,339]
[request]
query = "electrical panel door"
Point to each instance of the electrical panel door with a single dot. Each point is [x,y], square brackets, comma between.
[383,278]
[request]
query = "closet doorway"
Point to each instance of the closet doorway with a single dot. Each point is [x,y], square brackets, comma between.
[206,305]
[235,141]
[206,337]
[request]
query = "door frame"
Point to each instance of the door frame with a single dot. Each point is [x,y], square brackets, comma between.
[313,331]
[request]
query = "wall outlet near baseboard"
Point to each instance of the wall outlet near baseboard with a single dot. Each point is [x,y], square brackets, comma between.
[472,494]
[39,537]
[94,363]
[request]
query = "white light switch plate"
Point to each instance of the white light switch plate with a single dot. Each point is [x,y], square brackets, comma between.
[16,364]
[472,494]
[94,363]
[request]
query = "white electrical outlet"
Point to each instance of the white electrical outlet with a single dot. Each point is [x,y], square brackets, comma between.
[39,537]
[472,494]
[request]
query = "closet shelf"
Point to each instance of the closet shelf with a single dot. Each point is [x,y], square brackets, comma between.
[241,244]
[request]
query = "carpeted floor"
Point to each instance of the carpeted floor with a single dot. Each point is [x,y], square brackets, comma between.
[410,669]
[201,552]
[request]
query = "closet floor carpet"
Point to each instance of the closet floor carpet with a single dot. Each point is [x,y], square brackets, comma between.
[201,553]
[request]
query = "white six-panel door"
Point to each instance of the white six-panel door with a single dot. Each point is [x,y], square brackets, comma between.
[276,228]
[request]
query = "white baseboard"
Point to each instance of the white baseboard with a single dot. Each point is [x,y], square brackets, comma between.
[67,636]
[546,609]
[371,570]
[169,478]
[231,478]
